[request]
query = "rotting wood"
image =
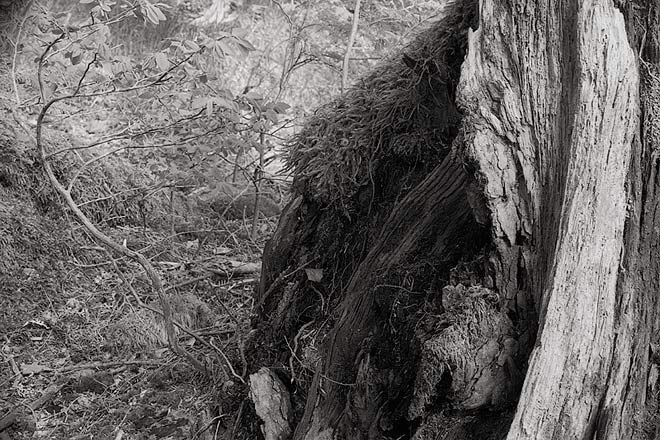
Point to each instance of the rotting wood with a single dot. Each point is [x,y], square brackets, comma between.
[436,211]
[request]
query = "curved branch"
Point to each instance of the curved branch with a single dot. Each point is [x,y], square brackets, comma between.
[98,235]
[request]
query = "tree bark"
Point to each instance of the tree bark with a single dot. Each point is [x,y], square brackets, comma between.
[550,94]
[571,172]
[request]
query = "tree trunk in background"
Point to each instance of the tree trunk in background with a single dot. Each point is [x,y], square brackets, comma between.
[542,235]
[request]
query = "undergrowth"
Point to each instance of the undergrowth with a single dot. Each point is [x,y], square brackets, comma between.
[71,314]
[81,333]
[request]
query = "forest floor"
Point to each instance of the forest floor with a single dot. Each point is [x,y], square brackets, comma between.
[82,343]
[82,356]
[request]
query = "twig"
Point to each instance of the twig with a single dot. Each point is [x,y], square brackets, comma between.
[123,277]
[293,355]
[215,331]
[10,378]
[208,425]
[240,283]
[320,296]
[112,196]
[110,21]
[231,315]
[104,365]
[243,269]
[241,352]
[280,279]
[160,313]
[241,349]
[231,367]
[177,144]
[16,370]
[258,175]
[238,418]
[75,94]
[152,309]
[191,281]
[171,209]
[295,349]
[124,135]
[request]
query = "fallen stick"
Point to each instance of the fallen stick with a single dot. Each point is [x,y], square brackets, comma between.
[236,268]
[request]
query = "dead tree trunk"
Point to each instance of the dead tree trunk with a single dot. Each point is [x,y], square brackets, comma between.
[551,97]
[529,252]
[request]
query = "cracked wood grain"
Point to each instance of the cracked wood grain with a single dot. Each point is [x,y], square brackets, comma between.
[551,96]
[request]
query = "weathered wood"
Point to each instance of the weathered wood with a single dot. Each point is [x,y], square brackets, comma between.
[551,96]
[278,251]
[272,404]
[638,304]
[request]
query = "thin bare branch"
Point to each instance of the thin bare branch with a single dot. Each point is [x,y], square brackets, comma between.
[126,134]
[349,46]
[15,56]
